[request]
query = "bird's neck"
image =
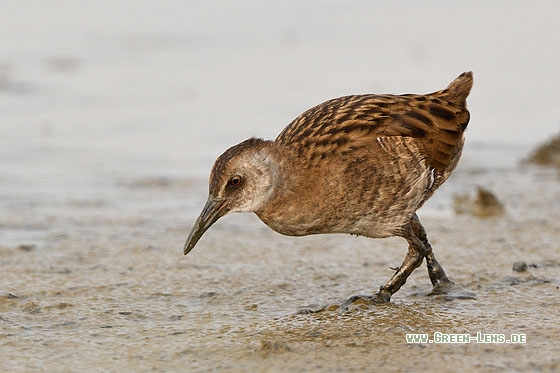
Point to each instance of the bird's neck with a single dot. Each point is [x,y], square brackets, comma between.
[294,186]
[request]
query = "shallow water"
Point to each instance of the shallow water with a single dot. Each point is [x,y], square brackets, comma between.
[109,131]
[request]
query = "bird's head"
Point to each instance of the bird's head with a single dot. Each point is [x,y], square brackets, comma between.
[243,178]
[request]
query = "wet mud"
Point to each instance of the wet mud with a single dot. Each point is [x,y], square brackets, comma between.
[96,283]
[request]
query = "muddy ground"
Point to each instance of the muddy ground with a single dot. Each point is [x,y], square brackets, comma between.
[104,286]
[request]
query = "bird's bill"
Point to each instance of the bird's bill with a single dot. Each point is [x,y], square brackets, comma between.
[213,210]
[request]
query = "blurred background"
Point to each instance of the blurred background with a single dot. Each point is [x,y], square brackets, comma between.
[93,94]
[97,95]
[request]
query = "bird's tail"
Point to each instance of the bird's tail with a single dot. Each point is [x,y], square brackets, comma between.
[458,90]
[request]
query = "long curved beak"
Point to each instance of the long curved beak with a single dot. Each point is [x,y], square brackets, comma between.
[213,210]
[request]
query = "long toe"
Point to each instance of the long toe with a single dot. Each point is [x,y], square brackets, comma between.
[364,301]
[451,291]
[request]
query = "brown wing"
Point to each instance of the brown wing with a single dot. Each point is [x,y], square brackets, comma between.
[436,120]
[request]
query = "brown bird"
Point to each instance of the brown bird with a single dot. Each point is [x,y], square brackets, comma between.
[359,164]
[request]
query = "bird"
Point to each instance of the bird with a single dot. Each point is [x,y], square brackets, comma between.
[359,164]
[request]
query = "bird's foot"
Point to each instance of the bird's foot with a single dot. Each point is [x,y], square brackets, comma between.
[364,301]
[353,303]
[451,291]
[448,290]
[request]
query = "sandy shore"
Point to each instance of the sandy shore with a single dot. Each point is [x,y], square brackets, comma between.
[109,288]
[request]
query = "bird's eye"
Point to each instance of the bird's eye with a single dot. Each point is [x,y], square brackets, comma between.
[235,181]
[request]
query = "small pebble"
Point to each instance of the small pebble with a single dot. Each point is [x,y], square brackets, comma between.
[548,153]
[520,266]
[26,247]
[484,205]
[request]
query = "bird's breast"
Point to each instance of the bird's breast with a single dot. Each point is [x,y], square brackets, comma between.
[374,194]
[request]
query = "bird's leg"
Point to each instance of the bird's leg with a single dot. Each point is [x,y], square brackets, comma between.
[435,270]
[413,259]
[442,284]
[418,249]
